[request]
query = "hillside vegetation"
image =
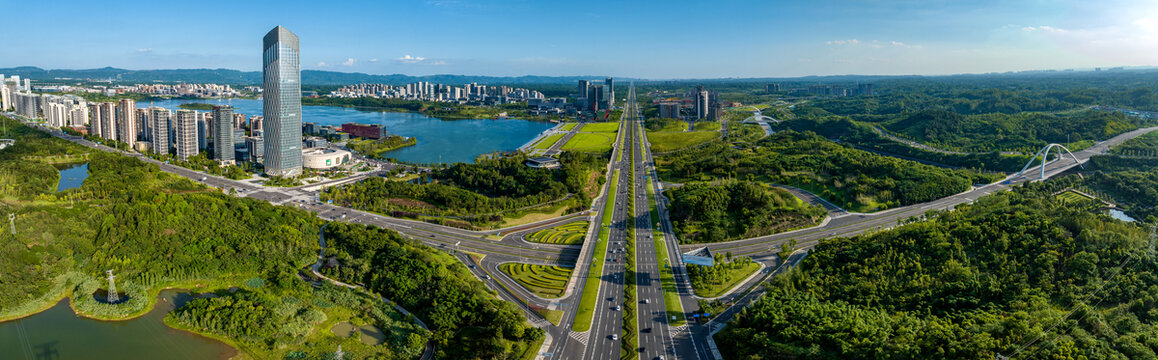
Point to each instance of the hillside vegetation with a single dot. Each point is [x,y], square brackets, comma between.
[1017,274]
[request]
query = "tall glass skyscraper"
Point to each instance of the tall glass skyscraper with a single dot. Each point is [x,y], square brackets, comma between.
[282,103]
[223,134]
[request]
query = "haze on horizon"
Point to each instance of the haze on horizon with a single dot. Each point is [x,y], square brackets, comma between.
[676,39]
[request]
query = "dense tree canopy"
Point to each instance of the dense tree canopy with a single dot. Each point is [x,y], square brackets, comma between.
[702,212]
[968,284]
[434,286]
[851,178]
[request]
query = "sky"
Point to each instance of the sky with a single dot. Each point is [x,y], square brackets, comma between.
[653,40]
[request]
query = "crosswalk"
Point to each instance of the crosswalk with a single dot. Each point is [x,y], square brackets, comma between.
[580,337]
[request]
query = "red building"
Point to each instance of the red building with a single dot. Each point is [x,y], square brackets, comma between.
[364,131]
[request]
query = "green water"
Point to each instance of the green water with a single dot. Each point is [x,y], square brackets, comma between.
[58,333]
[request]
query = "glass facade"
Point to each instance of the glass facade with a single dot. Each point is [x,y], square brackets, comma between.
[282,103]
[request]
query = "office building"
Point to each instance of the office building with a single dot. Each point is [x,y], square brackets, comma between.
[256,147]
[159,129]
[127,121]
[223,134]
[202,130]
[282,110]
[701,104]
[364,131]
[316,142]
[186,139]
[610,84]
[596,97]
[774,87]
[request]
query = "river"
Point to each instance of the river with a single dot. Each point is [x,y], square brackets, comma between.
[438,140]
[58,333]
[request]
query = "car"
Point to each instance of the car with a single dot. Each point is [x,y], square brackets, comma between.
[614,336]
[646,331]
[618,308]
[647,301]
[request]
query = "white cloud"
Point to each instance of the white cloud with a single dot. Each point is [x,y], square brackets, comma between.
[348,62]
[322,64]
[411,59]
[407,59]
[842,42]
[145,50]
[1125,42]
[373,60]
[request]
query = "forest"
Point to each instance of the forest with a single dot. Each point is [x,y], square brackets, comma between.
[375,147]
[467,320]
[475,192]
[704,213]
[853,179]
[1018,273]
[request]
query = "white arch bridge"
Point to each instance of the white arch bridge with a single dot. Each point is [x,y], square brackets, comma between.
[760,119]
[1044,154]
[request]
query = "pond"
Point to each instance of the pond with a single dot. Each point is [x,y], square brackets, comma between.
[72,177]
[1120,215]
[57,333]
[438,140]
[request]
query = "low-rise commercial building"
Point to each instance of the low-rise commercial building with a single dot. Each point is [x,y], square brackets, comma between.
[320,158]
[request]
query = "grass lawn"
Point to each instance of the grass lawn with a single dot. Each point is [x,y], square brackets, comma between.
[1072,196]
[568,126]
[736,276]
[602,127]
[546,143]
[707,126]
[548,282]
[568,234]
[537,214]
[669,141]
[590,142]
[594,274]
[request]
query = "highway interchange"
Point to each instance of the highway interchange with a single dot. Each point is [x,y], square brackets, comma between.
[657,337]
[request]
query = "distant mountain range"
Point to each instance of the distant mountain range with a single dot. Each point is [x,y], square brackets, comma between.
[236,77]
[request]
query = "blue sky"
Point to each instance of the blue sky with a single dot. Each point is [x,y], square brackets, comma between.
[658,40]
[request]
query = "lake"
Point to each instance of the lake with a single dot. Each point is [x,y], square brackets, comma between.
[72,177]
[58,333]
[438,140]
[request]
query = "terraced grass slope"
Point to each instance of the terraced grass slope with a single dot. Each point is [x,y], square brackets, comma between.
[548,282]
[567,234]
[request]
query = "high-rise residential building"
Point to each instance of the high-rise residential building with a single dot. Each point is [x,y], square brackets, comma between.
[223,134]
[186,139]
[282,110]
[127,121]
[143,124]
[5,96]
[701,104]
[255,124]
[670,110]
[159,126]
[94,120]
[108,113]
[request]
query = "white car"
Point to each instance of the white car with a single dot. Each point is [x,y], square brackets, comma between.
[614,336]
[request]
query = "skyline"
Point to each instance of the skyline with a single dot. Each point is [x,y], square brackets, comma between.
[642,41]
